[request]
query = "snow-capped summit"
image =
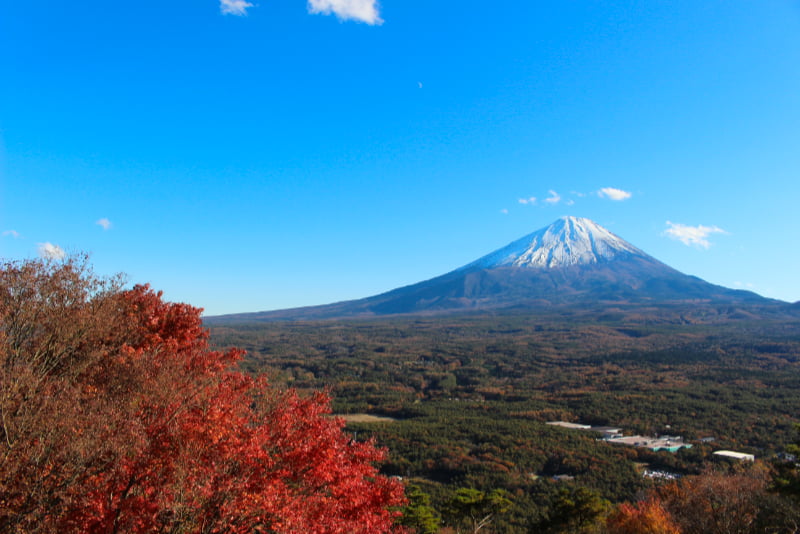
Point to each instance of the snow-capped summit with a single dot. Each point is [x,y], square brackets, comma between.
[568,241]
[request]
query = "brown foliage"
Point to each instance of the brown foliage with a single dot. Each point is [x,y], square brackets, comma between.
[717,502]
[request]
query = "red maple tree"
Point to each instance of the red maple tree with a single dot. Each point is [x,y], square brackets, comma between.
[117,417]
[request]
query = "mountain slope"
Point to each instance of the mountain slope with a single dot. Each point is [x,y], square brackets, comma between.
[571,262]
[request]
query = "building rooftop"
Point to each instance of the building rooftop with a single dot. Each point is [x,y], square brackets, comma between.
[665,443]
[574,426]
[736,455]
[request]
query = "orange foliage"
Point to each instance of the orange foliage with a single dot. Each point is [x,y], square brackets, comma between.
[645,517]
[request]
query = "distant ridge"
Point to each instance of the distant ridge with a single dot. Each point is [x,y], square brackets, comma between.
[573,261]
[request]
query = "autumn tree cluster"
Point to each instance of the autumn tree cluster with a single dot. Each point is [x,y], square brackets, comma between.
[741,499]
[116,417]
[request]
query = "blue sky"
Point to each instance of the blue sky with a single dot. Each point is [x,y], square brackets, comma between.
[250,157]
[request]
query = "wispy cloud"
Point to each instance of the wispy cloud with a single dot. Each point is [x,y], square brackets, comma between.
[361,10]
[12,233]
[692,235]
[529,200]
[554,197]
[613,193]
[234,7]
[504,211]
[50,251]
[105,223]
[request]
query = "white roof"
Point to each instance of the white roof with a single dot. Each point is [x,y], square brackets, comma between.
[564,424]
[735,455]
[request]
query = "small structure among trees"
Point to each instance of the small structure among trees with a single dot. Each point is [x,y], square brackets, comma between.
[733,455]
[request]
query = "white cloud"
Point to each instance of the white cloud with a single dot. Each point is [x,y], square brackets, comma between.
[614,194]
[234,7]
[420,84]
[504,211]
[554,198]
[50,251]
[692,235]
[570,202]
[105,223]
[530,200]
[12,233]
[362,10]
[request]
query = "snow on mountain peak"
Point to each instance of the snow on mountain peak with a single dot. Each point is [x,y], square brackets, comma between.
[568,241]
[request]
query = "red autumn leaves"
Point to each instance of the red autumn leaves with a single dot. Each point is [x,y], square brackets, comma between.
[116,417]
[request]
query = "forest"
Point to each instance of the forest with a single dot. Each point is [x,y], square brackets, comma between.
[464,401]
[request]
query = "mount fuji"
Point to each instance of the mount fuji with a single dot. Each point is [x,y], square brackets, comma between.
[572,262]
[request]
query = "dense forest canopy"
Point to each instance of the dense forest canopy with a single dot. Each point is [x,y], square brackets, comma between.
[469,396]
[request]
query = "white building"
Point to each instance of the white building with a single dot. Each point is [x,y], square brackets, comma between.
[741,456]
